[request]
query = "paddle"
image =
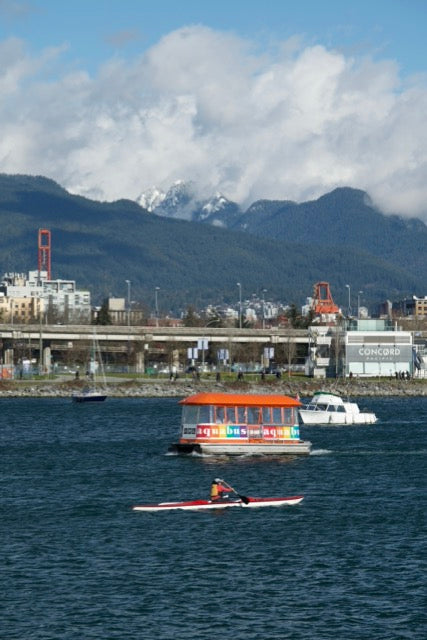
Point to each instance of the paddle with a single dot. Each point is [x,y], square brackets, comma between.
[244,499]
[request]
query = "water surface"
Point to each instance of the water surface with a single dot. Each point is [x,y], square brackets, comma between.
[78,564]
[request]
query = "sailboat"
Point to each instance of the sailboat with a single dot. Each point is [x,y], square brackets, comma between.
[94,391]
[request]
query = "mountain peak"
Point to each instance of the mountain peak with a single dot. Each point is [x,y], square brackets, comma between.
[182,201]
[151,198]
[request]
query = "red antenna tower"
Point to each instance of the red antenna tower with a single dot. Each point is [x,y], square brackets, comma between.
[44,252]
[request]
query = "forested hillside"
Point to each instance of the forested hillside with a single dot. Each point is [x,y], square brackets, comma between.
[344,217]
[103,244]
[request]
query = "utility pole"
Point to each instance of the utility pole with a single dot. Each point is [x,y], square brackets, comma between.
[240,304]
[156,302]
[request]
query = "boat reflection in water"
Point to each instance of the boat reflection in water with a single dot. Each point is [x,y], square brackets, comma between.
[240,424]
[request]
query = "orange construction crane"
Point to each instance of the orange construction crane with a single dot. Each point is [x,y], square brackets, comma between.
[322,299]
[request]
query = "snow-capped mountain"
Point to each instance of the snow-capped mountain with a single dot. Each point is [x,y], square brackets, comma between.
[151,198]
[183,202]
[177,202]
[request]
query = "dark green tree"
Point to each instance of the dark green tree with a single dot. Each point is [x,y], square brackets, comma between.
[213,320]
[191,318]
[103,317]
[292,314]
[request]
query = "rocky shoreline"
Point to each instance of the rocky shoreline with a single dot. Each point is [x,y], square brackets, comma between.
[164,388]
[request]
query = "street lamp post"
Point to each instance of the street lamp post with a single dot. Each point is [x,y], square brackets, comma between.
[240,304]
[128,305]
[156,290]
[358,303]
[40,344]
[349,300]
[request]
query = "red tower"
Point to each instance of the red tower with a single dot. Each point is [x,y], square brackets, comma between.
[44,252]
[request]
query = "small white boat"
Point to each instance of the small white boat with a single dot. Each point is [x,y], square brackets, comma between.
[89,395]
[330,408]
[202,505]
[93,392]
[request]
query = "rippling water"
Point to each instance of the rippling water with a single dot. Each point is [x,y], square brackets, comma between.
[78,564]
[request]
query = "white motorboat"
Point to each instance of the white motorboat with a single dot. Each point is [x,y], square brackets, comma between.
[330,408]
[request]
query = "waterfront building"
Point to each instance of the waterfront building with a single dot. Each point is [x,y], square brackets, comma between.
[120,313]
[377,348]
[20,310]
[361,348]
[61,300]
[414,306]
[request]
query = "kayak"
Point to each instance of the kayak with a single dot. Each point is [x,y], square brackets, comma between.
[201,505]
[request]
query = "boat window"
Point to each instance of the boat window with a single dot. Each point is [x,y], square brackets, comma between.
[277,415]
[231,415]
[254,415]
[341,408]
[322,407]
[241,415]
[219,415]
[272,415]
[266,415]
[205,413]
[190,415]
[288,416]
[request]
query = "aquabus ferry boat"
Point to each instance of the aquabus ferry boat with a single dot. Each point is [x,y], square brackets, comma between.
[240,424]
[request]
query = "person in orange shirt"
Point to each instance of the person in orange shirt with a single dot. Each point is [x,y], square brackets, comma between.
[219,490]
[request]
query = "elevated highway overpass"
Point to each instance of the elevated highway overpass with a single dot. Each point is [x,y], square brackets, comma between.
[17,341]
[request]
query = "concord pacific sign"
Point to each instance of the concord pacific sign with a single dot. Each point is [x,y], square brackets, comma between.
[379,353]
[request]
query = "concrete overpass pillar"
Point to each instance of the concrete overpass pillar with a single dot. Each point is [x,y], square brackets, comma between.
[140,362]
[47,360]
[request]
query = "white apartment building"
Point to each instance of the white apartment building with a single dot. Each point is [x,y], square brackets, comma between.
[62,301]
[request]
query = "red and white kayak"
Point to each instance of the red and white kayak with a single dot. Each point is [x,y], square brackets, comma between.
[202,505]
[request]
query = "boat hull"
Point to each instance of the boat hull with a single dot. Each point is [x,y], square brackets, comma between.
[244,449]
[327,417]
[208,505]
[98,397]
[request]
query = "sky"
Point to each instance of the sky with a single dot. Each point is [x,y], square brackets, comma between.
[276,99]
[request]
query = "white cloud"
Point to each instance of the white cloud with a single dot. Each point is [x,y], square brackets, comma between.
[202,106]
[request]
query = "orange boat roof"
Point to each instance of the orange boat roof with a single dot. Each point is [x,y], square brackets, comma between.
[241,400]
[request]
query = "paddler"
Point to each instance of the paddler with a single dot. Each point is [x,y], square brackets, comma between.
[219,490]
